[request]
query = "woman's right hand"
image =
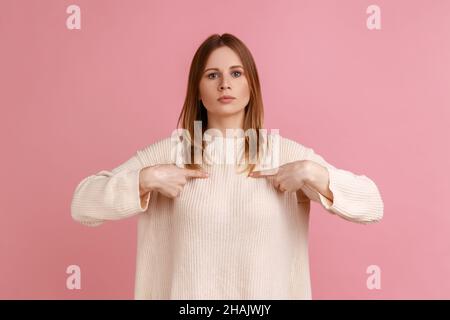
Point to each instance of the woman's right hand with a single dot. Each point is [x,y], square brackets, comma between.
[167,179]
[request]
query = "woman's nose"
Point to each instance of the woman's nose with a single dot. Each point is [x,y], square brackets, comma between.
[224,84]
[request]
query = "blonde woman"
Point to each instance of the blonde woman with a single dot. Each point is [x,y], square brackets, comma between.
[211,229]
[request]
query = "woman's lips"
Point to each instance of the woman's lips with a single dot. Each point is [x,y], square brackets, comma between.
[226,100]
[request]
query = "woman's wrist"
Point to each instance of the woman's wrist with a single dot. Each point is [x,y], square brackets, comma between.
[309,172]
[144,185]
[306,171]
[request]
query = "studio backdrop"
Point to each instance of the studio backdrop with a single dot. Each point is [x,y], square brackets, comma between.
[84,84]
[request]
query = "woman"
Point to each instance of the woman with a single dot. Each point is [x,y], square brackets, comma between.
[207,230]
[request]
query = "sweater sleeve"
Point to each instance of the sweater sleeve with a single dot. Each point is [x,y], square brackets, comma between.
[109,195]
[355,197]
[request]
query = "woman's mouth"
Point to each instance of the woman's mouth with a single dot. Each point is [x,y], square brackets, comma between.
[226,99]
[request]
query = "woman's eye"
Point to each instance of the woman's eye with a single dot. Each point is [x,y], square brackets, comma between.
[215,73]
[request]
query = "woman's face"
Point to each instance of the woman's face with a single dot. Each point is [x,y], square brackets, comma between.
[224,75]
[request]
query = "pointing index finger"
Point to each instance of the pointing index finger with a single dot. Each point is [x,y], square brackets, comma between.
[191,173]
[264,173]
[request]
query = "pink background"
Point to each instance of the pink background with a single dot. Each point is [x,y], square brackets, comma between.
[375,102]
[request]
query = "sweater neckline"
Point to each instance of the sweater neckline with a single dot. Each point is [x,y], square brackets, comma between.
[230,151]
[224,150]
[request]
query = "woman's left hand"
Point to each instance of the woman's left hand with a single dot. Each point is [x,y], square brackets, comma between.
[289,177]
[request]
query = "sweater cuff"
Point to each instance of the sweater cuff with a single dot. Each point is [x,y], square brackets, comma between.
[128,200]
[355,197]
[144,200]
[333,186]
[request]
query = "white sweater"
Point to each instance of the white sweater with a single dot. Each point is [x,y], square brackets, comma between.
[228,236]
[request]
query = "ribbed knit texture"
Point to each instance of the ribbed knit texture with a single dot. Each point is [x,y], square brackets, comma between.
[228,236]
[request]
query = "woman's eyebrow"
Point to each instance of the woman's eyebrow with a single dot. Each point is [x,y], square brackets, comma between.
[237,66]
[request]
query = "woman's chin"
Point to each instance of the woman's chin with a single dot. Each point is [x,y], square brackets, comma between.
[227,110]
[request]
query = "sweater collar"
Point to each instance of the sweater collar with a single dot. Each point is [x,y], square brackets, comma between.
[221,150]
[224,150]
